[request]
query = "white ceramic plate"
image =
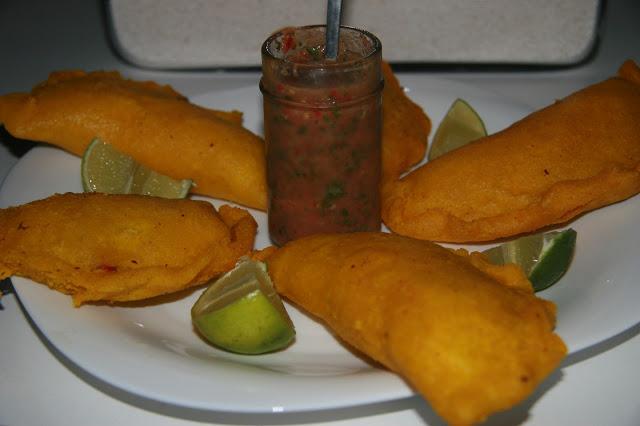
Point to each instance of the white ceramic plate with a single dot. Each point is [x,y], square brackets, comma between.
[153,352]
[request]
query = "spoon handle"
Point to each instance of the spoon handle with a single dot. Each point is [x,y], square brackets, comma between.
[333,28]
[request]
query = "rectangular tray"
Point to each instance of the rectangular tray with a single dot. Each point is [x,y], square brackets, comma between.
[178,34]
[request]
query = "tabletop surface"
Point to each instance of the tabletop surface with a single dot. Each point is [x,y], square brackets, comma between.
[39,385]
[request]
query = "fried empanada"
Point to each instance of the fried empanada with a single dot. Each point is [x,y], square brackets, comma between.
[118,248]
[580,153]
[154,124]
[471,337]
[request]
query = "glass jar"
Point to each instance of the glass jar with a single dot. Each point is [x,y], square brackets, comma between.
[322,126]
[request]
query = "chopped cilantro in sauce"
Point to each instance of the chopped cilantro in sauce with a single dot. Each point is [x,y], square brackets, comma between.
[322,130]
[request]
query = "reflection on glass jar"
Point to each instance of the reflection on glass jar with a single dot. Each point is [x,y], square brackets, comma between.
[322,128]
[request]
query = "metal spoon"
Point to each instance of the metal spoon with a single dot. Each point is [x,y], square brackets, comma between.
[333,29]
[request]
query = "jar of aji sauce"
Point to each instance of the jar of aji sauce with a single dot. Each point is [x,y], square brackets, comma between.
[322,124]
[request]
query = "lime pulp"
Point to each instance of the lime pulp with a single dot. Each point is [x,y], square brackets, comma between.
[105,169]
[460,125]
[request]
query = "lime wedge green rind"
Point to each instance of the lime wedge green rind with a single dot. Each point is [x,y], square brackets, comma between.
[543,257]
[551,267]
[231,329]
[242,313]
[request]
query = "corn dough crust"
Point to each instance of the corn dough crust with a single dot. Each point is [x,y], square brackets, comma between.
[581,153]
[471,337]
[120,248]
[154,124]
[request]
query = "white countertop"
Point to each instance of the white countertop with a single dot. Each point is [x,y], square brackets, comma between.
[39,386]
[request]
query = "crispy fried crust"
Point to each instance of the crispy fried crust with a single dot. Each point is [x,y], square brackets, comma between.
[405,129]
[581,153]
[117,248]
[152,123]
[471,337]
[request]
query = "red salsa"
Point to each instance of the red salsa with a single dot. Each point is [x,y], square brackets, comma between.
[322,128]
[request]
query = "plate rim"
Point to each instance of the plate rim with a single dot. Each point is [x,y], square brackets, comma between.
[402,391]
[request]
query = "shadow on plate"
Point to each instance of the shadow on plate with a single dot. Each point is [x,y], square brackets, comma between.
[16,146]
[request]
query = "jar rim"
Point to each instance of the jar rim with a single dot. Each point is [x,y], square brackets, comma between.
[375,49]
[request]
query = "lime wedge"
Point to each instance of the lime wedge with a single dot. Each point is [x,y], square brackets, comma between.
[543,257]
[104,169]
[460,125]
[241,312]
